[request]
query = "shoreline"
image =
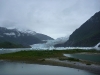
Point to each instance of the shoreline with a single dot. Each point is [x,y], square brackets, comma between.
[93,68]
[54,58]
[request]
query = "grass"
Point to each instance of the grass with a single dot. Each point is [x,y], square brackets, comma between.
[41,55]
[30,55]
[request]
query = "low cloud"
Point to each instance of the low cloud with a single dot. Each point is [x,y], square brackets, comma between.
[56,18]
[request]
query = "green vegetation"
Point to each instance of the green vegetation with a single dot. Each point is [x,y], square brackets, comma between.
[88,63]
[10,45]
[31,55]
[73,59]
[63,58]
[40,55]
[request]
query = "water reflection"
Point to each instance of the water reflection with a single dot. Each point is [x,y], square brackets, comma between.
[12,68]
[90,57]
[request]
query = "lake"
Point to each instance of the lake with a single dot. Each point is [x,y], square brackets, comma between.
[90,57]
[18,68]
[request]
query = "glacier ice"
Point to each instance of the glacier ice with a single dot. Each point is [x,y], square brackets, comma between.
[97,46]
[50,43]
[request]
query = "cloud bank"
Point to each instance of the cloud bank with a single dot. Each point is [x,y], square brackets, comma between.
[56,18]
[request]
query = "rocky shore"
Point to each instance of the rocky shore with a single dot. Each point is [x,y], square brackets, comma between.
[94,68]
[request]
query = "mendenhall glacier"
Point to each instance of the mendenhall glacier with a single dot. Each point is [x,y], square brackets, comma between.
[49,45]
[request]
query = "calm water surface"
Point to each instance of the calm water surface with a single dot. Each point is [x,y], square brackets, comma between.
[16,68]
[90,57]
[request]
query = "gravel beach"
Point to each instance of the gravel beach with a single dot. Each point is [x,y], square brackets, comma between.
[94,68]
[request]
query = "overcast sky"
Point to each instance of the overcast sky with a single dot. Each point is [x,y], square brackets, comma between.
[56,18]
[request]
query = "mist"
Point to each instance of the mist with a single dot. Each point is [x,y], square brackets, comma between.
[56,18]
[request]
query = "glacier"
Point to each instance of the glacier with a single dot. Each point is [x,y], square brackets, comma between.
[49,45]
[97,46]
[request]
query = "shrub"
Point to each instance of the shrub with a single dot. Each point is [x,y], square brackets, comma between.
[63,58]
[73,59]
[88,63]
[70,59]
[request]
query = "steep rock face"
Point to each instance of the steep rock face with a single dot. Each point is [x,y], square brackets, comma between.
[25,38]
[86,35]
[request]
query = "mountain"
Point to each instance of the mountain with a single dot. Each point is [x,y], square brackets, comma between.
[43,37]
[40,36]
[87,35]
[10,45]
[25,37]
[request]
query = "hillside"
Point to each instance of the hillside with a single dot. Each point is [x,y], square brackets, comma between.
[87,35]
[10,45]
[25,38]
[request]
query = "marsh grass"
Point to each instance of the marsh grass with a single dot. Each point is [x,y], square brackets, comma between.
[35,55]
[30,55]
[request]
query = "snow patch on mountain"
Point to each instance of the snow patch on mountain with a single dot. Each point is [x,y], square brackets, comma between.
[28,31]
[9,34]
[19,34]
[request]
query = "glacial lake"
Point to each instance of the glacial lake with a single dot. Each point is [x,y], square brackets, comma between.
[19,68]
[90,57]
